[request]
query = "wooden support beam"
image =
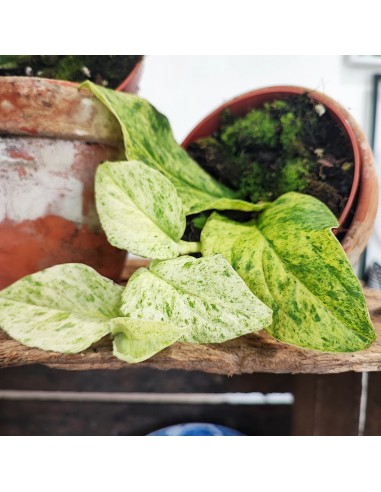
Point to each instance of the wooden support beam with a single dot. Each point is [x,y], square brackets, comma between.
[327,405]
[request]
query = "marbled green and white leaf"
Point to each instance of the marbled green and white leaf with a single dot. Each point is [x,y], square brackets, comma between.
[139,209]
[292,261]
[65,308]
[136,340]
[204,295]
[148,138]
[219,234]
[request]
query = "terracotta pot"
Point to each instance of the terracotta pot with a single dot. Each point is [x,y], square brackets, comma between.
[52,138]
[131,82]
[364,192]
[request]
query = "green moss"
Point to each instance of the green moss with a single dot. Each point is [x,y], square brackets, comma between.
[272,150]
[268,141]
[260,183]
[255,129]
[257,183]
[277,105]
[294,175]
[71,67]
[290,134]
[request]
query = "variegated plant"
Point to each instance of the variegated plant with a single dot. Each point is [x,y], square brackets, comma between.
[148,138]
[284,271]
[67,308]
[291,260]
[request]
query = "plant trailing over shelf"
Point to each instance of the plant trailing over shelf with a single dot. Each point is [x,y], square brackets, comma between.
[281,270]
[67,308]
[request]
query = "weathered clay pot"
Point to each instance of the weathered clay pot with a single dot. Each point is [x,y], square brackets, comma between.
[131,82]
[52,138]
[364,192]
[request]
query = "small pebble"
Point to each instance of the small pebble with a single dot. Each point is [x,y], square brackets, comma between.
[319,152]
[86,71]
[346,166]
[320,109]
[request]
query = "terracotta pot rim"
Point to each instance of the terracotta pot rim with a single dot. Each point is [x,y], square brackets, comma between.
[339,112]
[51,108]
[69,83]
[134,73]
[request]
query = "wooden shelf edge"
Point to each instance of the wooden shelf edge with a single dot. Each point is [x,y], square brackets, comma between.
[245,355]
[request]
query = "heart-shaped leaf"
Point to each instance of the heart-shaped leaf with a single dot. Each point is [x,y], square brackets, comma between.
[292,261]
[204,295]
[139,209]
[65,308]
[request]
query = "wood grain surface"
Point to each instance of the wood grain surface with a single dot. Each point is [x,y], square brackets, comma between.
[248,354]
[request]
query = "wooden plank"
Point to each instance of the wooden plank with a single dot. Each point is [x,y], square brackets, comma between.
[249,354]
[373,407]
[327,405]
[72,418]
[139,379]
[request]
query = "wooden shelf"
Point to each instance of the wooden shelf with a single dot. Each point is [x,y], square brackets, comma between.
[249,354]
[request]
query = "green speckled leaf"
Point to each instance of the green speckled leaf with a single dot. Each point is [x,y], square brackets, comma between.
[137,340]
[204,295]
[139,209]
[292,261]
[148,137]
[65,308]
[219,235]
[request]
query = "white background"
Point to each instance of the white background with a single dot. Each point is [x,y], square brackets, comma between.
[187,88]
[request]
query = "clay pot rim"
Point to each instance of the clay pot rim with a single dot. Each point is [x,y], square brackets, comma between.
[120,88]
[339,112]
[134,73]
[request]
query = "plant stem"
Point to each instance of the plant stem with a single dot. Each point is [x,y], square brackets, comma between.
[186,248]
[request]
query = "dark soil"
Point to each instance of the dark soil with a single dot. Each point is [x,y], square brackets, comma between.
[288,145]
[107,70]
[195,223]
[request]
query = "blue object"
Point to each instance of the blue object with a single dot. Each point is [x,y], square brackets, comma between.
[196,429]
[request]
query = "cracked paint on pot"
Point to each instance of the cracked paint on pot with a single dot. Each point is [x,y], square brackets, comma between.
[28,166]
[52,138]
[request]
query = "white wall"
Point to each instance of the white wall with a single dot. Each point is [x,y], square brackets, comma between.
[187,88]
